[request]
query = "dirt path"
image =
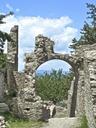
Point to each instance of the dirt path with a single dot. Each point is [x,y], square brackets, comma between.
[63,123]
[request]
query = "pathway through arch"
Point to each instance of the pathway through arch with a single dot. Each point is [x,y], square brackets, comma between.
[66,122]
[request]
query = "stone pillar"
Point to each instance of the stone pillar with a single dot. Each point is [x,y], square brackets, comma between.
[70,94]
[80,95]
[40,50]
[12,58]
[2,84]
[43,49]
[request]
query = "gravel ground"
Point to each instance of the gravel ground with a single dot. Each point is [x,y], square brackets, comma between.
[63,123]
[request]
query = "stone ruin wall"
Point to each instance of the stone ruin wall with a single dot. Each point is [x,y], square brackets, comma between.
[12,59]
[90,84]
[2,85]
[26,103]
[87,86]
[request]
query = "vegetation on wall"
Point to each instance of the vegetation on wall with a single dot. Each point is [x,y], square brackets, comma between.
[54,86]
[3,58]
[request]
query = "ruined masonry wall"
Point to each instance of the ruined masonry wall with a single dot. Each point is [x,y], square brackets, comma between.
[90,86]
[2,85]
[26,103]
[80,110]
[12,58]
[86,93]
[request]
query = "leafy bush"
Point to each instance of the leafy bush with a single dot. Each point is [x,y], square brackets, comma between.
[54,85]
[3,58]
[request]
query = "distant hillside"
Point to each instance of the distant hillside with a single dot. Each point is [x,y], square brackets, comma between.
[43,72]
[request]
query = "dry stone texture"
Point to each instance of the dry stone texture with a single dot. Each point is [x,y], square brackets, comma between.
[2,122]
[2,85]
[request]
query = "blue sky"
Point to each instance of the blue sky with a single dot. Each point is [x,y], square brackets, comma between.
[61,20]
[75,9]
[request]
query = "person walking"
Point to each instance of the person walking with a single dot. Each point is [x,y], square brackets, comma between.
[53,109]
[45,113]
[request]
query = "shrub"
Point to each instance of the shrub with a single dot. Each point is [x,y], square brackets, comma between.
[84,122]
[54,85]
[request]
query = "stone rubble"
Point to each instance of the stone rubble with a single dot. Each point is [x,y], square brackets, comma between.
[2,122]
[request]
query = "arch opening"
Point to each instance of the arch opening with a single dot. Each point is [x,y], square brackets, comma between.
[53,80]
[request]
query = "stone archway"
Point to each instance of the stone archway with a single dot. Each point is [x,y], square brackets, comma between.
[44,52]
[28,103]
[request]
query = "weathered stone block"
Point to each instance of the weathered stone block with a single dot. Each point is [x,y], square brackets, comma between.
[4,107]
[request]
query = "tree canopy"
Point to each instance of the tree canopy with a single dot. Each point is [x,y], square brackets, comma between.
[88,32]
[3,37]
[54,85]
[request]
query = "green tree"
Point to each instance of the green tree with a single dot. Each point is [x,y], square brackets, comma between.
[88,32]
[3,37]
[54,85]
[92,14]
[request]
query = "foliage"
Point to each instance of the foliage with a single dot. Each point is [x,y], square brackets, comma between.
[88,32]
[2,60]
[84,122]
[3,37]
[13,122]
[54,85]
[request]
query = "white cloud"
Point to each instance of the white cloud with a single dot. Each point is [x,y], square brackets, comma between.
[17,10]
[58,29]
[9,7]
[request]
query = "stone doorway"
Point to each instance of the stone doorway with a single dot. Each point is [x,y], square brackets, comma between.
[50,78]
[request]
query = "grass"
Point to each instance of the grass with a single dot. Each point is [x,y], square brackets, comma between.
[24,124]
[84,122]
[13,122]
